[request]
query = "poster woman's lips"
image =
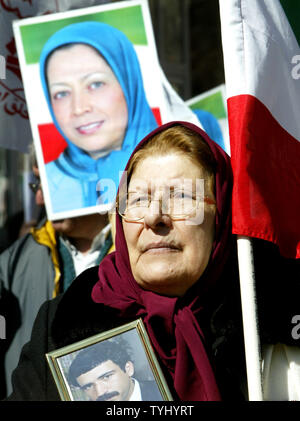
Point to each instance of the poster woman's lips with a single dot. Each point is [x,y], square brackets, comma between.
[89,128]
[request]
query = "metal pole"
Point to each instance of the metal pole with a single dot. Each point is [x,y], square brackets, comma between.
[250,318]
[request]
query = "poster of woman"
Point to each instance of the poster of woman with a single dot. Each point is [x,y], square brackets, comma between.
[93,86]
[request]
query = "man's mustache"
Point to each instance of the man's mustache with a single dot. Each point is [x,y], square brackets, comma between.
[107,396]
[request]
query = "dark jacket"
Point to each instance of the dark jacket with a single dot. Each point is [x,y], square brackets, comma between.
[73,316]
[149,391]
[27,275]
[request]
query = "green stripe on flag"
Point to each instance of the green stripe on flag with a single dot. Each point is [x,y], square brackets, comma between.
[128,20]
[212,103]
[292,10]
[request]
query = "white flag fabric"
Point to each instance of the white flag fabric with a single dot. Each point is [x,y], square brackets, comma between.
[261,54]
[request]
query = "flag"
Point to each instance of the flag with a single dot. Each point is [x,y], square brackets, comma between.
[262,70]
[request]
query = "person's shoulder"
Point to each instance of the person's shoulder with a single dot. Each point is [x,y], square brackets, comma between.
[76,312]
[78,294]
[26,244]
[150,391]
[82,284]
[78,316]
[67,310]
[65,187]
[54,174]
[16,249]
[58,173]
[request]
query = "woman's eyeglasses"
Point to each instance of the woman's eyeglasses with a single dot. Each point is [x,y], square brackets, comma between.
[179,205]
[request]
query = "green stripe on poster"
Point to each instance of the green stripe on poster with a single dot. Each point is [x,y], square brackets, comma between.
[292,10]
[128,20]
[212,103]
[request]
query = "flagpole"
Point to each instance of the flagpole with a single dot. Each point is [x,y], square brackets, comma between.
[250,318]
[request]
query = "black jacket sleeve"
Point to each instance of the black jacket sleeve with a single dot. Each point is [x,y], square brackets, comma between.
[32,379]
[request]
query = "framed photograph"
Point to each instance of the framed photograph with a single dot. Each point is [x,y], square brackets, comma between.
[117,365]
[93,89]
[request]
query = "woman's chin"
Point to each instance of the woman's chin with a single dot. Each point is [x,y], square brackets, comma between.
[165,289]
[160,281]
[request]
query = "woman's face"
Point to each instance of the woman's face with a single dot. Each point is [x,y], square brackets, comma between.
[168,256]
[87,99]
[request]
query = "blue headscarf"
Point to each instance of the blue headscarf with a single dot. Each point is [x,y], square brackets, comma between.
[119,53]
[211,126]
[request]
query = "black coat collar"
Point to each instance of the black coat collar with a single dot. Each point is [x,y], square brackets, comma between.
[77,316]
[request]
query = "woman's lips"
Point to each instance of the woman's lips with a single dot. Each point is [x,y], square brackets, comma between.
[155,248]
[89,128]
[161,250]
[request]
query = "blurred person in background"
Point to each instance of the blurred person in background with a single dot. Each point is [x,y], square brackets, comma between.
[39,266]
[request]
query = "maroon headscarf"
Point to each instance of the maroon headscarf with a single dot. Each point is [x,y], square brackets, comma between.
[174,323]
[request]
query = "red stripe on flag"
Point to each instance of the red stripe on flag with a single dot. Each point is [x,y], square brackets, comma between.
[266,167]
[157,115]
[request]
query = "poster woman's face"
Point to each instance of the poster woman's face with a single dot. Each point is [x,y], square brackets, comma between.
[87,99]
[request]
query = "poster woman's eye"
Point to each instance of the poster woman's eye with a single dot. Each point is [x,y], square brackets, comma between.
[95,85]
[60,95]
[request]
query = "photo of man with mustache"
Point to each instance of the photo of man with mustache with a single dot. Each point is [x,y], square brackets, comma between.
[105,371]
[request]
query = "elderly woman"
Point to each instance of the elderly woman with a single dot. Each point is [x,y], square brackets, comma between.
[94,90]
[174,266]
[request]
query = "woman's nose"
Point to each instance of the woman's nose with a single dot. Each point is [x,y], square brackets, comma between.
[155,216]
[81,102]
